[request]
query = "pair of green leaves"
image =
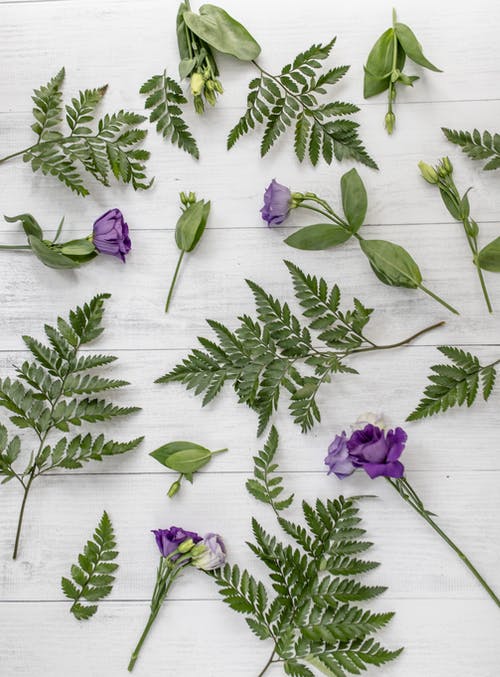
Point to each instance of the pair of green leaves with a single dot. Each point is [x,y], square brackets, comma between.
[188,231]
[384,67]
[324,235]
[221,31]
[186,458]
[66,255]
[390,262]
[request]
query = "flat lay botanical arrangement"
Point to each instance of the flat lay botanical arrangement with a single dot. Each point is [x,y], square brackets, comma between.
[288,335]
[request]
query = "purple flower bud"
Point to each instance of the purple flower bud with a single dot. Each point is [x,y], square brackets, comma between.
[168,540]
[377,451]
[210,554]
[338,459]
[110,235]
[277,203]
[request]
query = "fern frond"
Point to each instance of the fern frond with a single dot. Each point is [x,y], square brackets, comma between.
[112,148]
[310,618]
[290,100]
[455,384]
[262,356]
[164,100]
[477,146]
[266,485]
[92,578]
[53,392]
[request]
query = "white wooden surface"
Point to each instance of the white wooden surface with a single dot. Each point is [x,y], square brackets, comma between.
[443,618]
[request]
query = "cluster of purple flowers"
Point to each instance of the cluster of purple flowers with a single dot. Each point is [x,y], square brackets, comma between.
[372,448]
[206,553]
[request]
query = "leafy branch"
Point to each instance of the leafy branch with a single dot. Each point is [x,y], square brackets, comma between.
[262,356]
[290,98]
[92,578]
[477,146]
[55,392]
[455,384]
[310,615]
[111,149]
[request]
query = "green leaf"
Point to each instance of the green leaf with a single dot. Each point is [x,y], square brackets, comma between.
[318,236]
[183,457]
[78,248]
[191,225]
[489,256]
[477,146]
[49,256]
[87,583]
[392,264]
[29,224]
[354,199]
[412,47]
[379,65]
[218,28]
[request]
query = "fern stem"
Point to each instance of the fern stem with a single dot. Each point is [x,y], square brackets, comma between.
[21,514]
[389,346]
[13,155]
[268,664]
[406,491]
[174,279]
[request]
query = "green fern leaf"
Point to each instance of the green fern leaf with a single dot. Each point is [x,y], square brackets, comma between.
[87,584]
[477,146]
[164,100]
[266,486]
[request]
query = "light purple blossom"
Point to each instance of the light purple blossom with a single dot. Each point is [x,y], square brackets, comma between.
[210,554]
[277,203]
[338,460]
[110,235]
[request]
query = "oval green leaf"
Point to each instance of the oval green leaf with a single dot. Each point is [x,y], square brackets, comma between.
[379,65]
[191,225]
[81,247]
[218,28]
[183,457]
[318,236]
[50,257]
[413,49]
[392,264]
[489,256]
[354,199]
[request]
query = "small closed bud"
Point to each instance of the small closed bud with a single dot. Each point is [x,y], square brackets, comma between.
[198,105]
[390,121]
[472,228]
[186,546]
[218,87]
[447,165]
[428,172]
[210,97]
[197,84]
[174,488]
[297,199]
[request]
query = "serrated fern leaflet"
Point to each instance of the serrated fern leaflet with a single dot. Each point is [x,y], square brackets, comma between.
[55,393]
[477,146]
[290,100]
[310,613]
[92,578]
[111,149]
[455,384]
[263,356]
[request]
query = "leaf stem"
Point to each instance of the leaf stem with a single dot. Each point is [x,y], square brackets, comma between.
[174,279]
[438,299]
[21,514]
[15,246]
[268,664]
[13,155]
[400,343]
[406,491]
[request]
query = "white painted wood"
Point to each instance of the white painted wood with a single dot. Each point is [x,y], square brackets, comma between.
[447,624]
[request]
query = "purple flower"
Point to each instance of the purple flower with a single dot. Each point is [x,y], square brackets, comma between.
[210,553]
[377,451]
[277,203]
[168,540]
[338,459]
[110,235]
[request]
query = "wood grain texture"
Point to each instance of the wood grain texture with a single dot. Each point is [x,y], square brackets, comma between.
[445,621]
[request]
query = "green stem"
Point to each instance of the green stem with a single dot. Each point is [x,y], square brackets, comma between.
[399,343]
[392,85]
[438,299]
[21,514]
[268,664]
[174,279]
[15,246]
[137,649]
[406,491]
[13,155]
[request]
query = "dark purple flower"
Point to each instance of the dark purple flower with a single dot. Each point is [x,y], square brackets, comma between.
[277,203]
[110,235]
[168,540]
[338,459]
[377,451]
